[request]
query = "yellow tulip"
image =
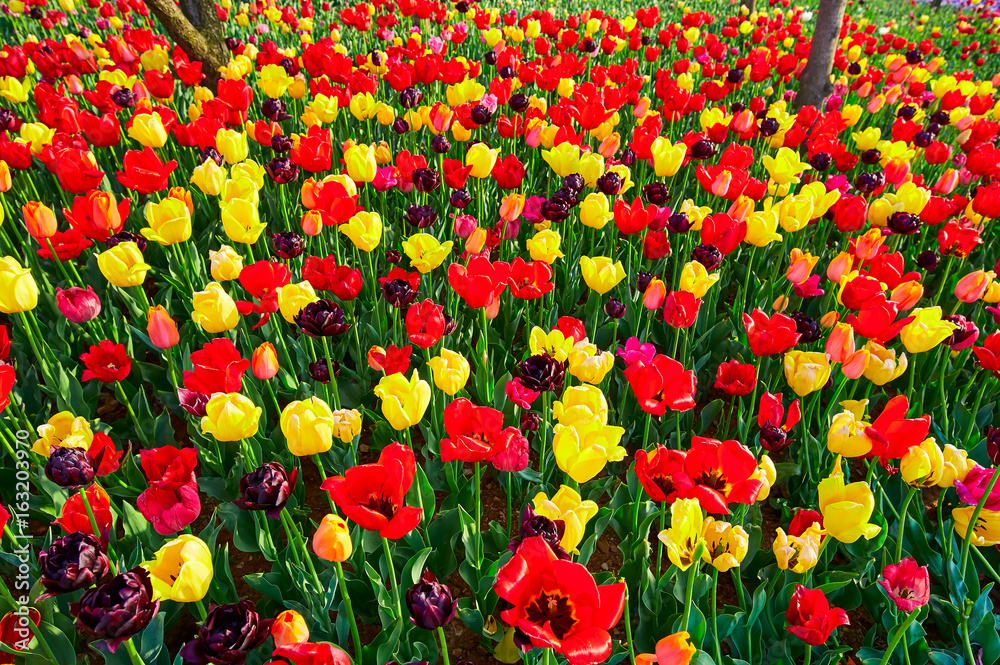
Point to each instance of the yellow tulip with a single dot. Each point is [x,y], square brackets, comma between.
[554,342]
[786,167]
[545,246]
[583,451]
[685,536]
[122,265]
[481,158]
[18,290]
[241,221]
[725,544]
[232,145]
[450,370]
[567,505]
[148,130]
[169,221]
[293,297]
[425,251]
[846,508]
[986,533]
[667,158]
[923,464]
[595,211]
[883,366]
[956,466]
[762,228]
[926,331]
[589,364]
[308,427]
[230,417]
[364,229]
[273,80]
[361,164]
[181,570]
[208,177]
[806,371]
[226,264]
[563,159]
[581,406]
[600,273]
[847,433]
[346,424]
[214,310]
[249,170]
[404,401]
[696,280]
[798,553]
[591,168]
[63,430]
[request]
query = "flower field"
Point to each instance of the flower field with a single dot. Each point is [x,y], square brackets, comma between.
[431,332]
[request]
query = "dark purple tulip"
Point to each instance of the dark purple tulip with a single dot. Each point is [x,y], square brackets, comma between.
[426,180]
[228,635]
[213,154]
[126,236]
[610,183]
[614,308]
[76,561]
[410,97]
[928,260]
[118,609]
[287,244]
[574,182]
[656,193]
[398,292]
[71,468]
[323,318]
[282,170]
[551,531]
[319,371]
[807,327]
[266,488]
[964,336]
[707,255]
[275,110]
[440,144]
[420,216]
[773,439]
[281,144]
[460,199]
[430,603]
[555,210]
[541,373]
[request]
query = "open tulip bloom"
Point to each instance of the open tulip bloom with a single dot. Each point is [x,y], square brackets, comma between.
[613,332]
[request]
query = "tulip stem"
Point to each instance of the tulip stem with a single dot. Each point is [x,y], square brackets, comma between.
[350,611]
[510,530]
[809,655]
[715,621]
[132,653]
[899,636]
[333,378]
[444,646]
[970,530]
[692,574]
[902,523]
[200,606]
[628,630]
[479,515]
[131,413]
[392,577]
[659,543]
[93,524]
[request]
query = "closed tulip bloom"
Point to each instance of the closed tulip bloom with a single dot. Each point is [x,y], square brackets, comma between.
[425,251]
[762,227]
[600,273]
[725,544]
[595,211]
[685,535]
[77,304]
[583,451]
[332,540]
[450,370]
[293,297]
[148,130]
[226,264]
[161,328]
[567,505]
[798,553]
[308,426]
[973,286]
[883,365]
[230,417]
[846,508]
[361,164]
[404,401]
[169,222]
[545,246]
[208,177]
[589,364]
[564,158]
[926,331]
[847,436]
[806,371]
[923,464]
[696,280]
[289,627]
[482,159]
[18,291]
[264,361]
[181,570]
[956,466]
[364,229]
[241,221]
[232,145]
[580,406]
[123,265]
[801,266]
[39,220]
[214,310]
[273,80]
[667,158]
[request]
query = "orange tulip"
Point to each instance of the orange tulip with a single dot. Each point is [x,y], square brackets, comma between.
[264,361]
[161,328]
[39,219]
[289,628]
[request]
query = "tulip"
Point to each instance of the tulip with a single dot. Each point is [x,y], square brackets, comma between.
[230,417]
[264,361]
[241,221]
[76,561]
[595,211]
[332,540]
[361,164]
[810,617]
[404,401]
[806,371]
[973,286]
[226,264]
[289,627]
[181,570]
[667,158]
[675,649]
[169,222]
[450,370]
[583,451]
[430,603]
[425,252]
[785,167]
[545,246]
[228,634]
[566,505]
[685,535]
[364,229]
[39,220]
[907,584]
[846,508]
[214,310]
[148,130]
[926,331]
[161,328]
[600,273]
[70,468]
[123,265]
[956,466]
[725,544]
[209,177]
[308,426]
[847,435]
[118,609]
[883,365]
[78,305]
[986,532]
[696,280]
[798,553]
[346,424]
[63,430]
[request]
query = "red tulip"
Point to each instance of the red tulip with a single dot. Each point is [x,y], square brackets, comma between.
[74,516]
[101,131]
[102,449]
[724,232]
[314,153]
[989,353]
[768,336]
[718,473]
[17,628]
[986,202]
[508,172]
[171,501]
[425,323]
[480,283]
[735,378]
[262,280]
[803,520]
[655,245]
[145,172]
[877,320]
[571,327]
[680,309]
[557,604]
[390,361]
[107,362]
[476,433]
[372,495]
[633,218]
[810,617]
[656,471]
[456,173]
[97,216]
[660,384]
[892,433]
[772,411]
[218,368]
[850,214]
[78,305]
[907,583]
[310,653]
[530,280]
[325,275]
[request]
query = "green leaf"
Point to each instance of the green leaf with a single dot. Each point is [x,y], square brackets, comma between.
[414,568]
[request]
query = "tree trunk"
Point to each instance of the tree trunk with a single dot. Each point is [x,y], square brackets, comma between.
[195,27]
[751,5]
[814,84]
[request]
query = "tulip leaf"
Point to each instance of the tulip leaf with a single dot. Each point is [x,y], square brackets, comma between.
[709,414]
[59,643]
[151,642]
[414,568]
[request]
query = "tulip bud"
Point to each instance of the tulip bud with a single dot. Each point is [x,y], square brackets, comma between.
[264,361]
[161,328]
[77,304]
[289,628]
[39,219]
[332,540]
